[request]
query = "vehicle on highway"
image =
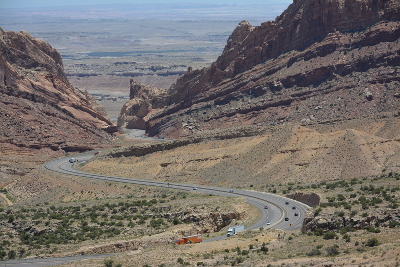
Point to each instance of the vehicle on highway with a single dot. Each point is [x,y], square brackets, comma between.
[189,239]
[234,230]
[287,203]
[266,207]
[194,188]
[268,223]
[293,208]
[296,214]
[72,160]
[231,191]
[286,219]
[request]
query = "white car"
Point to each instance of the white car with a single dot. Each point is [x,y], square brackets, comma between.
[72,160]
[268,223]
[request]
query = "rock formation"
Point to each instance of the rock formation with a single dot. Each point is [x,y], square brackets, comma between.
[311,199]
[319,60]
[39,107]
[143,101]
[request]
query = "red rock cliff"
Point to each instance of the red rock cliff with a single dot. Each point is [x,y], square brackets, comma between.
[39,108]
[319,60]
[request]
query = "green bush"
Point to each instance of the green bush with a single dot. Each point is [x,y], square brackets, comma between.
[332,251]
[372,242]
[371,229]
[330,235]
[346,237]
[314,252]
[12,254]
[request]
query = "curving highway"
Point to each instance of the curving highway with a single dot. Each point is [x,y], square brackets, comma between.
[279,214]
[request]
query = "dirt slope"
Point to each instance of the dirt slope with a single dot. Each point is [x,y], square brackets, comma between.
[281,154]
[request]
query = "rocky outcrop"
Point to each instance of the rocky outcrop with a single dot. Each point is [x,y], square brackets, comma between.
[205,223]
[143,99]
[39,107]
[331,221]
[319,60]
[311,199]
[142,149]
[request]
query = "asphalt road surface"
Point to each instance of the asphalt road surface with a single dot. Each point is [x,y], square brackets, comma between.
[277,212]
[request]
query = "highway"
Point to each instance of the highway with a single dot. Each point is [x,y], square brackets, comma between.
[279,214]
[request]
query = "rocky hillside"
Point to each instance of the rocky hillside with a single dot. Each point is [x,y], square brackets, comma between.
[39,108]
[319,60]
[264,156]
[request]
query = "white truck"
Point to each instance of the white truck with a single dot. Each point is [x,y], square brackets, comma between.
[234,230]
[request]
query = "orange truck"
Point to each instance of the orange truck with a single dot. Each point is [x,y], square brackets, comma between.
[189,239]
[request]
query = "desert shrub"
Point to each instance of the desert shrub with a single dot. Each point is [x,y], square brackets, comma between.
[353,213]
[318,231]
[372,242]
[314,252]
[317,211]
[264,248]
[361,249]
[239,260]
[393,224]
[12,254]
[155,223]
[371,229]
[332,251]
[346,229]
[340,197]
[176,221]
[347,206]
[346,237]
[330,235]
[108,263]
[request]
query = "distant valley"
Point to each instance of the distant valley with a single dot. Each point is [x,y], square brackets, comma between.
[104,46]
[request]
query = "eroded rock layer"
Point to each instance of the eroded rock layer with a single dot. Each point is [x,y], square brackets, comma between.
[39,108]
[319,60]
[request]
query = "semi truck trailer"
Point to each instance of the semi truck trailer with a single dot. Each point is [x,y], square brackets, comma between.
[189,239]
[234,230]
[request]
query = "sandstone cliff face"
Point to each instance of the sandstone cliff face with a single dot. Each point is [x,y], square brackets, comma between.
[39,107]
[319,60]
[143,100]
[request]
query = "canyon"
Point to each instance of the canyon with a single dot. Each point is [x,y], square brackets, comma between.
[330,65]
[306,105]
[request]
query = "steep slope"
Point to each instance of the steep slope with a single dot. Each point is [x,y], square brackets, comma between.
[265,155]
[319,60]
[39,108]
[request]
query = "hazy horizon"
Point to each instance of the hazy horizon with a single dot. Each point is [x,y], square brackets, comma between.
[53,3]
